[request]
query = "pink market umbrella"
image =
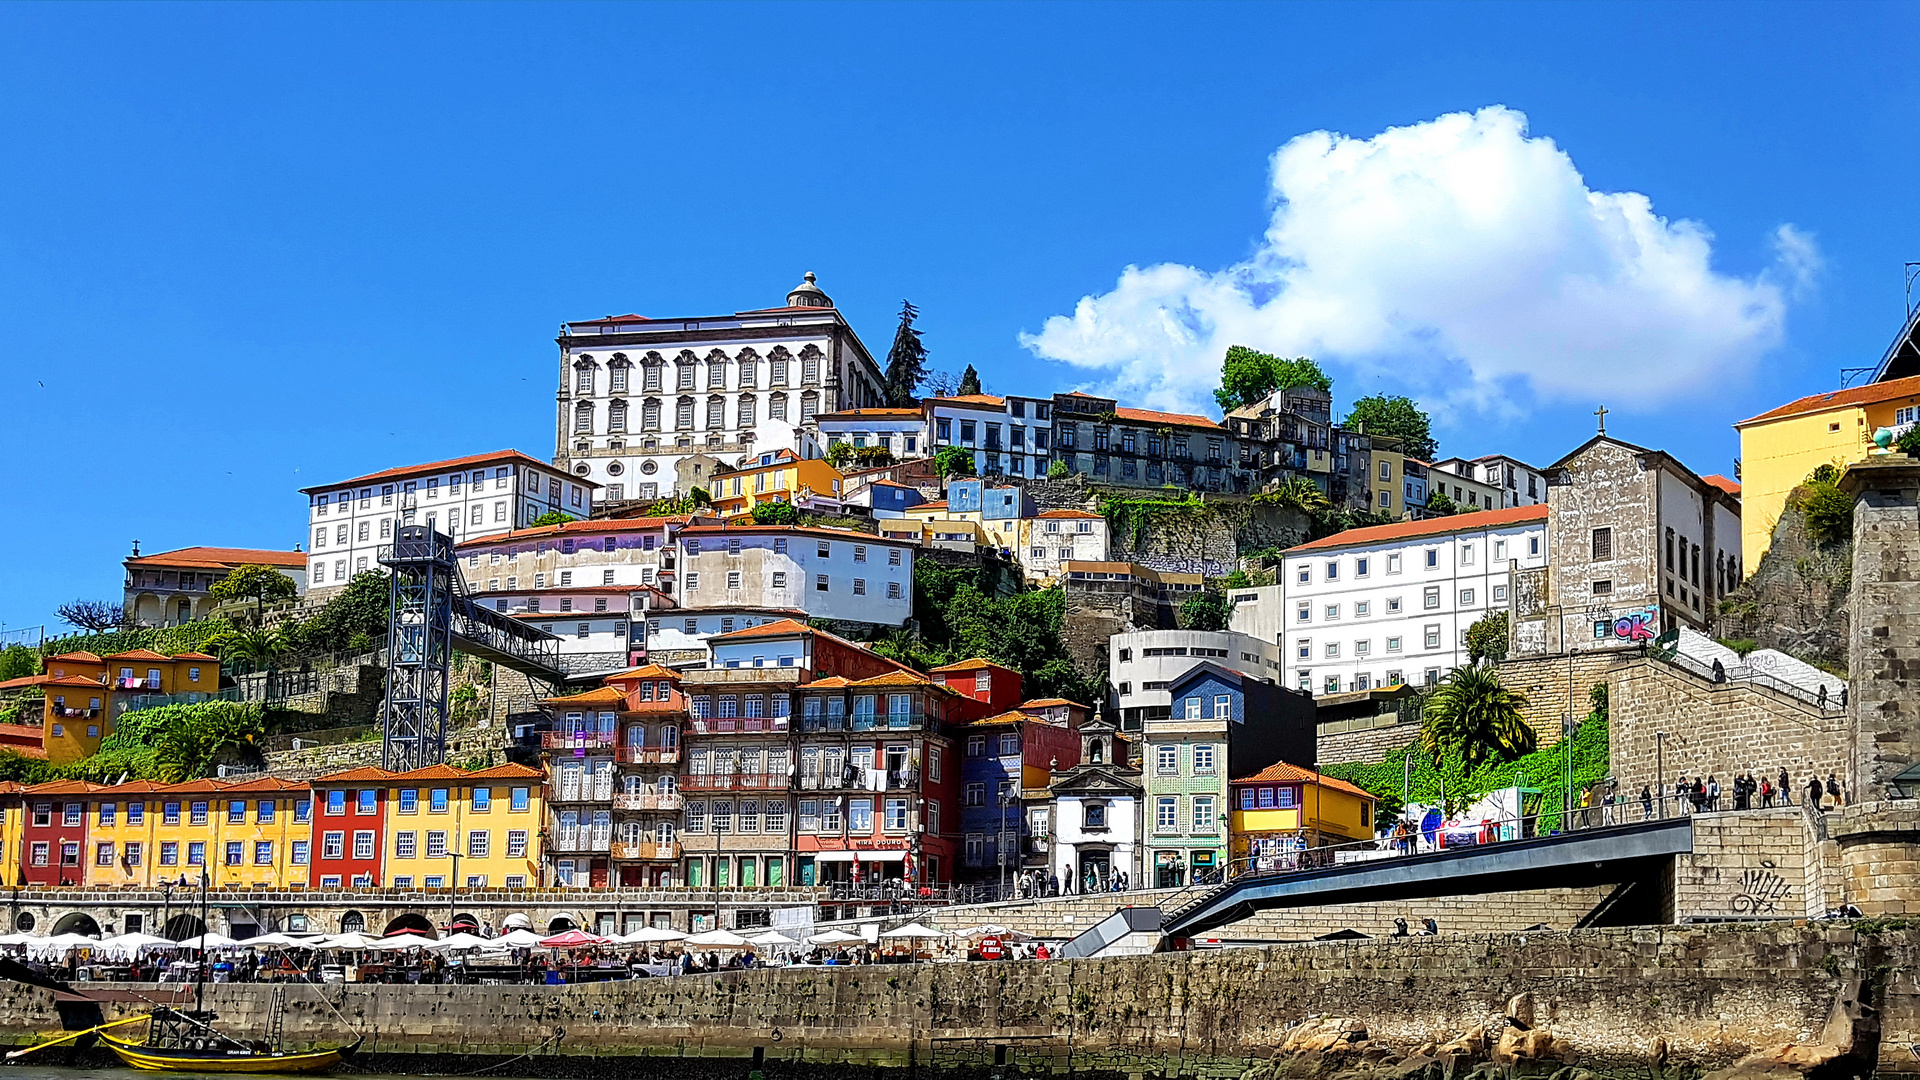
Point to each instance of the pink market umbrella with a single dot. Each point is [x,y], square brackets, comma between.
[572,939]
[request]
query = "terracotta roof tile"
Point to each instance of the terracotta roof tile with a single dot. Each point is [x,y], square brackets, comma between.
[776,628]
[575,528]
[602,695]
[496,457]
[1149,416]
[894,678]
[1730,486]
[1066,514]
[860,414]
[362,775]
[650,671]
[222,557]
[1048,703]
[1440,526]
[139,654]
[1280,770]
[79,657]
[971,664]
[1870,394]
[971,399]
[24,681]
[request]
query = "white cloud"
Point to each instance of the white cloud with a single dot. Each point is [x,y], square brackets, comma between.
[1462,259]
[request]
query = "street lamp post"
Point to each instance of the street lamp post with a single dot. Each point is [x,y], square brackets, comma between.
[1660,769]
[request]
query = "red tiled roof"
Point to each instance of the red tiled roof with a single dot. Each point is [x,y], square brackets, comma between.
[193,656]
[1049,702]
[1012,716]
[1149,416]
[573,528]
[1870,394]
[509,771]
[80,657]
[627,318]
[1731,487]
[1441,526]
[139,654]
[894,678]
[1066,514]
[63,787]
[25,681]
[222,557]
[973,663]
[1280,770]
[597,696]
[831,682]
[496,456]
[972,399]
[648,671]
[796,530]
[363,774]
[776,628]
[75,681]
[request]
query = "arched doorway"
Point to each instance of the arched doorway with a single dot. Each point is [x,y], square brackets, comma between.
[410,923]
[77,922]
[562,923]
[182,927]
[464,922]
[351,923]
[516,921]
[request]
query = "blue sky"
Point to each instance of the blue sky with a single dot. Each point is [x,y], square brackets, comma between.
[249,248]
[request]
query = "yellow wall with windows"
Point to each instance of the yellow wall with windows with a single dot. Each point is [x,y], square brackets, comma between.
[140,834]
[474,814]
[13,816]
[1777,455]
[779,482]
[1393,484]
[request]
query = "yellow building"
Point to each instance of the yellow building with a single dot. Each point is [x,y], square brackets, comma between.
[1283,809]
[1780,447]
[12,835]
[472,830]
[252,833]
[1389,479]
[775,476]
[84,693]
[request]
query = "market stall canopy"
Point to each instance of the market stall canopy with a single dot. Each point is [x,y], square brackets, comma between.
[63,943]
[344,941]
[772,937]
[572,939]
[463,941]
[401,941]
[274,941]
[517,939]
[208,941]
[833,937]
[131,944]
[718,939]
[915,930]
[652,933]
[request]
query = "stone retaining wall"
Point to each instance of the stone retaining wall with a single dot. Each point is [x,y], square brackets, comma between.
[1667,998]
[1367,747]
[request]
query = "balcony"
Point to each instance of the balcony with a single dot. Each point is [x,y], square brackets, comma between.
[577,740]
[582,793]
[734,782]
[646,851]
[648,755]
[649,800]
[580,842]
[911,719]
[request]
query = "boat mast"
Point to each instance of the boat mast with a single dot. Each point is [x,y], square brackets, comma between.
[200,983]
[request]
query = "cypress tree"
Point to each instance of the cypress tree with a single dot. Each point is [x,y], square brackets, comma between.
[906,361]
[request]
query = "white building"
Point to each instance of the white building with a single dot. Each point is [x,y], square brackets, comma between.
[1051,538]
[1009,436]
[1493,482]
[647,406]
[901,432]
[1141,665]
[614,551]
[678,638]
[482,495]
[602,628]
[1390,604]
[1096,809]
[828,573]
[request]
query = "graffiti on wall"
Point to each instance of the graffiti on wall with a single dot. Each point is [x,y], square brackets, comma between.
[1760,893]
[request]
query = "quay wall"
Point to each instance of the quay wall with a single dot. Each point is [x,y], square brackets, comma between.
[1635,999]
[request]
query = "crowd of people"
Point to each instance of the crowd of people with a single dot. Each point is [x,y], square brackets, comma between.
[1706,794]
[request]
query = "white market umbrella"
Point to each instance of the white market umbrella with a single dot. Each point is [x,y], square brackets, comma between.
[460,941]
[131,944]
[401,941]
[516,939]
[648,934]
[21,939]
[833,937]
[208,941]
[772,937]
[272,941]
[356,942]
[60,944]
[718,939]
[915,930]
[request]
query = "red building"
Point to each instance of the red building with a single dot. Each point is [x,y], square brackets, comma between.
[1000,687]
[348,828]
[53,839]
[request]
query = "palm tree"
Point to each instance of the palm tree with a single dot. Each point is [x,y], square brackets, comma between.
[1301,494]
[1473,712]
[258,647]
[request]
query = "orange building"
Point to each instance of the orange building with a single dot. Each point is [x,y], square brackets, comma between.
[86,693]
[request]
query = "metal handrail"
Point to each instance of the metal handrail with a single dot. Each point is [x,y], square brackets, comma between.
[1743,673]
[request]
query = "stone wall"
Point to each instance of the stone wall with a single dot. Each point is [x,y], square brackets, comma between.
[1748,865]
[309,762]
[1675,999]
[1554,687]
[1884,614]
[1879,856]
[1368,746]
[1715,729]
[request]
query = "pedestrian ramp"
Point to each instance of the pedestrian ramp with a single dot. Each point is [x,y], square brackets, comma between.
[1130,931]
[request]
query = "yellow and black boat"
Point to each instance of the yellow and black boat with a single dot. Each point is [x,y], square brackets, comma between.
[187,1041]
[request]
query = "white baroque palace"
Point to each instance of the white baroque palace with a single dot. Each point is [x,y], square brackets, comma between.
[652,407]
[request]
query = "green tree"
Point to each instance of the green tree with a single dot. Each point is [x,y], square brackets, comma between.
[1438,505]
[18,661]
[1909,443]
[260,584]
[553,517]
[969,381]
[775,513]
[1247,376]
[358,609]
[700,496]
[1299,493]
[839,453]
[1487,638]
[1057,470]
[1205,611]
[257,647]
[1396,416]
[906,360]
[1828,510]
[1474,716]
[953,461]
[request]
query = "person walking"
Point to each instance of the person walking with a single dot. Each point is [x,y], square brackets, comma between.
[1785,788]
[1713,793]
[1814,793]
[1833,789]
[1646,802]
[1681,791]
[1766,793]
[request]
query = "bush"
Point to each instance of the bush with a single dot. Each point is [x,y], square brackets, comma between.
[352,620]
[1206,611]
[552,517]
[1909,443]
[775,513]
[1058,470]
[1827,509]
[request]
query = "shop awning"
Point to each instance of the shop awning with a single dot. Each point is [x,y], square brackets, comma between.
[858,856]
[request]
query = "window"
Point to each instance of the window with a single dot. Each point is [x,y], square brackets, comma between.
[406,844]
[1499,593]
[237,812]
[1603,587]
[1203,813]
[367,803]
[820,583]
[1303,648]
[1430,598]
[1433,558]
[196,814]
[1333,571]
[196,853]
[332,846]
[1360,567]
[1362,608]
[1466,554]
[436,843]
[1333,650]
[1466,597]
[1203,759]
[896,819]
[301,850]
[1303,612]
[1332,612]
[479,844]
[1167,760]
[363,845]
[103,854]
[1432,633]
[1304,575]
[1166,815]
[516,843]
[1603,543]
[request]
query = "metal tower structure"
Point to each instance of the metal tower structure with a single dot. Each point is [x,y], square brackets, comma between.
[423,582]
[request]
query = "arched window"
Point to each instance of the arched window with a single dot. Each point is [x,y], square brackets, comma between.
[777,362]
[716,412]
[650,367]
[1097,751]
[617,370]
[777,407]
[746,411]
[717,370]
[353,923]
[684,366]
[749,362]
[683,414]
[583,418]
[809,406]
[650,415]
[617,412]
[810,365]
[583,375]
